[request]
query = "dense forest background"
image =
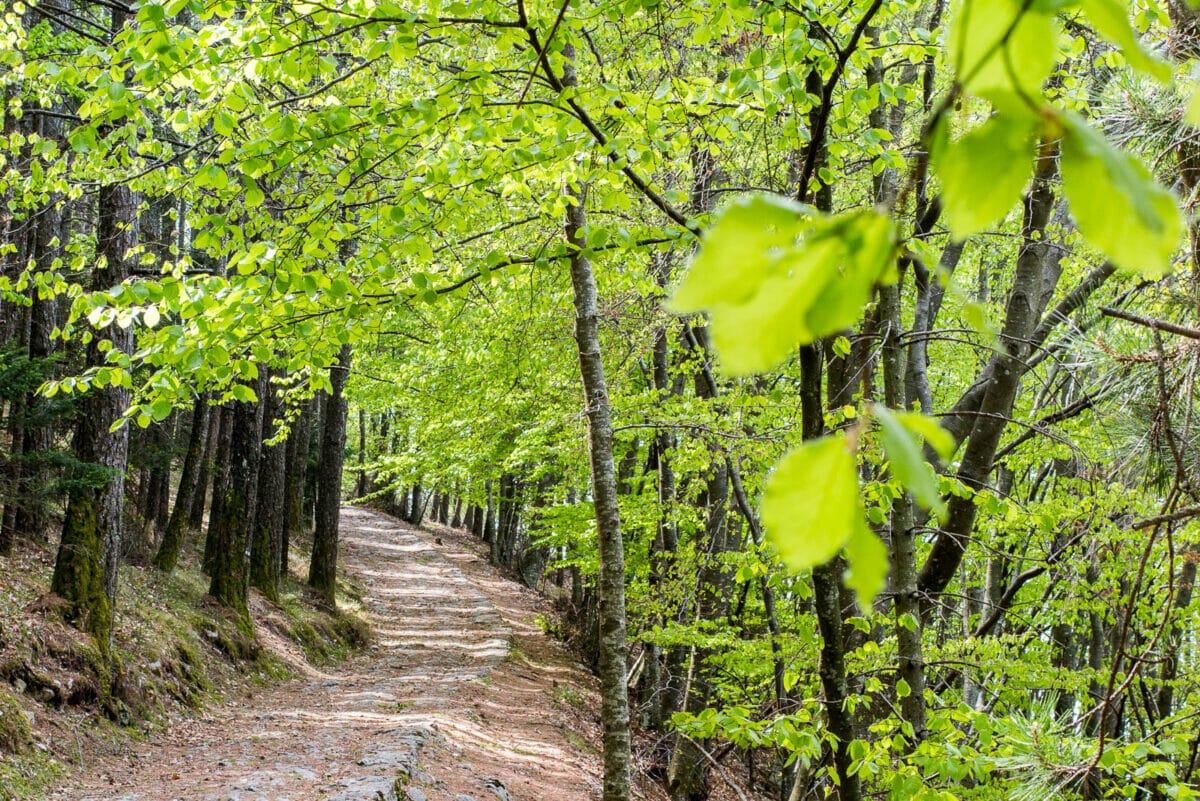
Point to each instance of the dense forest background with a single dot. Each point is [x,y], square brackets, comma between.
[577,276]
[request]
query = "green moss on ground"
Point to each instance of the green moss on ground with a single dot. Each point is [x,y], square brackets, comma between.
[27,776]
[15,732]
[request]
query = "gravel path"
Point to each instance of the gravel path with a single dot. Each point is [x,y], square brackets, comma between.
[460,694]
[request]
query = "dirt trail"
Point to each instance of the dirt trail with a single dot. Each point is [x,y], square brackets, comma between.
[460,691]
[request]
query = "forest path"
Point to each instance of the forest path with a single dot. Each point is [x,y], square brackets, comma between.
[460,691]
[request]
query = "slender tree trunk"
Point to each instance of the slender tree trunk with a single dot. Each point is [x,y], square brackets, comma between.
[827,602]
[298,447]
[416,509]
[905,598]
[220,487]
[322,570]
[1023,310]
[207,467]
[270,515]
[489,520]
[402,504]
[614,707]
[361,490]
[37,439]
[189,482]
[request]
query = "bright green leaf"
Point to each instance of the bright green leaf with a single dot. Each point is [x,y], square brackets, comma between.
[772,280]
[1121,210]
[868,558]
[903,451]
[941,440]
[991,65]
[997,155]
[1192,114]
[812,506]
[738,251]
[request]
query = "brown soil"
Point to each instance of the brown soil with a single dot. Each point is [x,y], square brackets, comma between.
[458,663]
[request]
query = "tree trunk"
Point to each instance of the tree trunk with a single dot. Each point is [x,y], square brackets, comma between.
[416,508]
[189,482]
[37,436]
[270,516]
[298,447]
[361,490]
[85,572]
[230,564]
[322,570]
[614,706]
[1022,313]
[208,465]
[220,486]
[905,598]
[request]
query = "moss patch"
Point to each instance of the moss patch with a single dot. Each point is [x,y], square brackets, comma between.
[27,777]
[15,732]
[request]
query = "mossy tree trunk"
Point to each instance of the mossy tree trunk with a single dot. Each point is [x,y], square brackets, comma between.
[230,562]
[85,571]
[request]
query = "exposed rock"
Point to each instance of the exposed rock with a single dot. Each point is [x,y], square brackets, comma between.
[371,788]
[497,787]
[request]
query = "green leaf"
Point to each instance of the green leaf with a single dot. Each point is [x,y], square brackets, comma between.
[772,279]
[811,505]
[1110,18]
[998,156]
[254,195]
[160,409]
[243,393]
[903,451]
[151,316]
[868,558]
[1121,210]
[991,66]
[941,440]
[738,251]
[902,689]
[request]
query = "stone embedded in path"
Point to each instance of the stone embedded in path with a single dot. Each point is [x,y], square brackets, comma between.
[368,789]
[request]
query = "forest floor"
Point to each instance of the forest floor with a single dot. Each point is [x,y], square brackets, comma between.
[461,693]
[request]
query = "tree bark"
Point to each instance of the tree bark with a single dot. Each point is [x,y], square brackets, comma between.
[270,516]
[322,570]
[902,551]
[614,699]
[1021,317]
[231,557]
[208,465]
[189,481]
[298,448]
[86,569]
[220,485]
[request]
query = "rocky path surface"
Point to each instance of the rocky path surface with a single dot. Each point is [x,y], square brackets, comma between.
[460,695]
